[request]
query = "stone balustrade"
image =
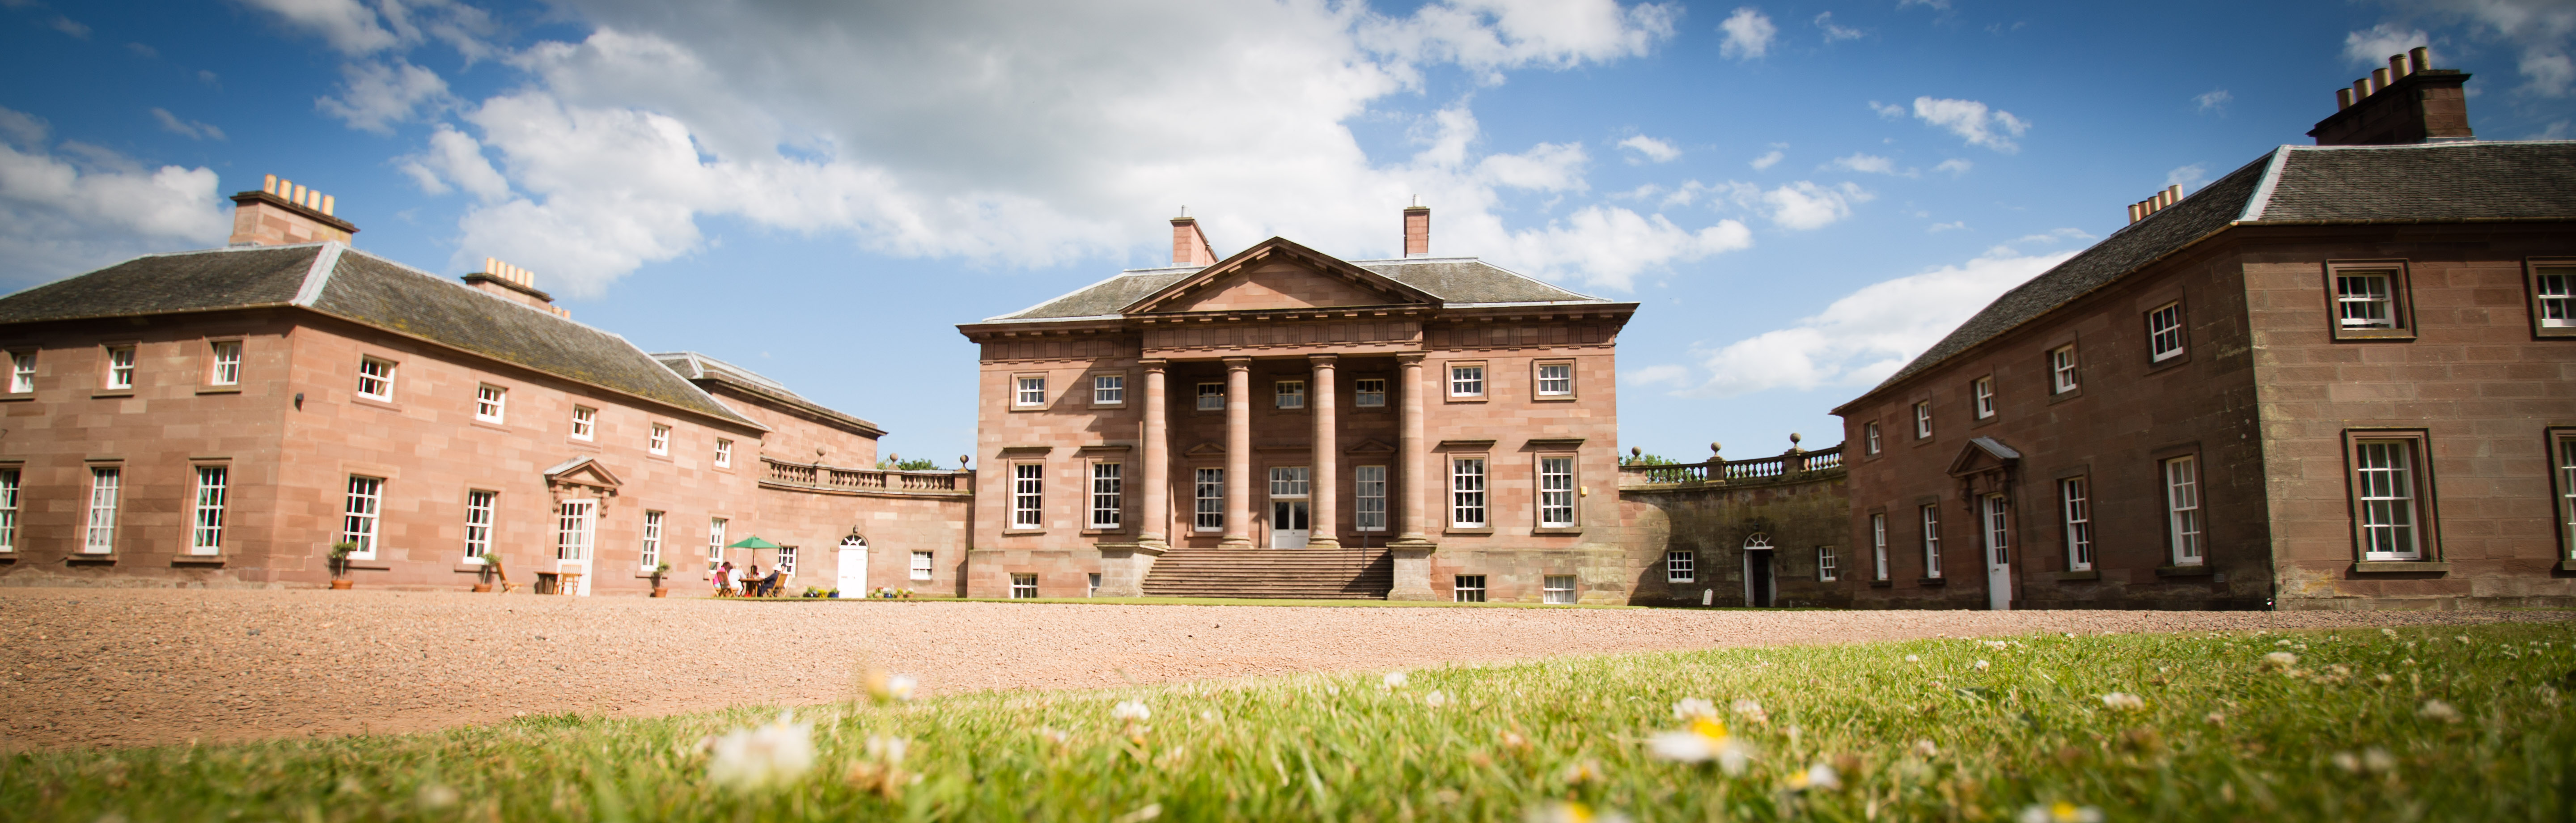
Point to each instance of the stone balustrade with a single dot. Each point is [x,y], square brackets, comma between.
[823,478]
[1794,464]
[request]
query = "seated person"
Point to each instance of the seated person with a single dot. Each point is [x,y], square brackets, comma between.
[769,585]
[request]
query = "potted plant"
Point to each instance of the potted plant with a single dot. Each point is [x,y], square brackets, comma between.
[660,569]
[483,576]
[492,564]
[340,563]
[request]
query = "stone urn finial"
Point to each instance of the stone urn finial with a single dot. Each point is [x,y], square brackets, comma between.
[961,461]
[1713,447]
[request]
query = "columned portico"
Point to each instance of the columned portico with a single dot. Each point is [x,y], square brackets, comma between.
[1417,491]
[1238,453]
[1326,487]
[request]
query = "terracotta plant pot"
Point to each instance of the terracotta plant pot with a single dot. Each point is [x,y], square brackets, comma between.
[661,592]
[337,585]
[480,588]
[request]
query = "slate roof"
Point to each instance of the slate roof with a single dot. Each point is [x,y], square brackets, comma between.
[336,280]
[2298,185]
[1457,281]
[699,367]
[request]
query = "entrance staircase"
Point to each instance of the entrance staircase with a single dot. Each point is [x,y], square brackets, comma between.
[1319,574]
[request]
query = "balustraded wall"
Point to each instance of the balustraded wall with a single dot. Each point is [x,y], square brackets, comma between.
[1796,502]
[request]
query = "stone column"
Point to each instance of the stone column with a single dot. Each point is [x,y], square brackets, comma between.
[1238,453]
[1325,490]
[1413,547]
[1157,475]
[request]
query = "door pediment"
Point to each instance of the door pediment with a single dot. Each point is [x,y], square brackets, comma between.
[583,472]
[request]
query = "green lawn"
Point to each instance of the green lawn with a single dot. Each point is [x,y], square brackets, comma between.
[2361,726]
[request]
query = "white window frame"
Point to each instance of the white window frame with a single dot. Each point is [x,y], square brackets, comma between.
[1368,496]
[1923,420]
[1557,589]
[2184,529]
[1869,437]
[1024,585]
[1983,390]
[1931,522]
[1108,390]
[659,444]
[1028,391]
[1549,381]
[491,403]
[1466,380]
[1288,394]
[585,423]
[924,564]
[576,529]
[650,554]
[482,509]
[1208,498]
[2359,307]
[1998,522]
[362,517]
[1291,483]
[2165,333]
[1467,588]
[1028,496]
[716,527]
[2563,445]
[22,372]
[1681,566]
[1209,400]
[120,366]
[2387,509]
[1108,495]
[106,488]
[724,453]
[2075,511]
[224,359]
[1468,500]
[1556,492]
[9,490]
[376,378]
[1878,543]
[206,515]
[2061,370]
[2553,297]
[1369,393]
[786,564]
[1828,567]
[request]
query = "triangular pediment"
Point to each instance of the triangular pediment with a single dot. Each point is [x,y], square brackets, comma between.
[583,471]
[1203,449]
[1370,445]
[1275,275]
[1981,455]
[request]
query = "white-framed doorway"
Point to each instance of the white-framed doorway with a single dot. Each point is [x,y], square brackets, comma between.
[1761,576]
[1995,519]
[576,542]
[851,575]
[1290,498]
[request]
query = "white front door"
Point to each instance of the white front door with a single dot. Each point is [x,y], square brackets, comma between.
[1288,526]
[1998,530]
[853,570]
[576,526]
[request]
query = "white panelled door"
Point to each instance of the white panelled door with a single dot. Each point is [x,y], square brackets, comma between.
[576,530]
[1997,516]
[852,575]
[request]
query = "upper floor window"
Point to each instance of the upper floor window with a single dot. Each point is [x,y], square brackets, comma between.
[1211,397]
[375,379]
[661,440]
[1984,391]
[22,372]
[2182,510]
[120,368]
[227,362]
[2164,332]
[2061,369]
[1555,379]
[1291,394]
[1467,381]
[1031,392]
[491,403]
[1922,419]
[1869,436]
[2553,299]
[724,453]
[1368,394]
[1108,389]
[585,422]
[2366,298]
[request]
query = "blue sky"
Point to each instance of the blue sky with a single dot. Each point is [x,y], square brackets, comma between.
[1801,194]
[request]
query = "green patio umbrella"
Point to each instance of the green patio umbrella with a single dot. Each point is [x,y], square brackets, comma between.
[752,542]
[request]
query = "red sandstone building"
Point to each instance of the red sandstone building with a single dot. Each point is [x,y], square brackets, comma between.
[1286,423]
[224,417]
[2342,376]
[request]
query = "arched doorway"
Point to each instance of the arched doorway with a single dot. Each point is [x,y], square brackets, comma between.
[851,574]
[1761,583]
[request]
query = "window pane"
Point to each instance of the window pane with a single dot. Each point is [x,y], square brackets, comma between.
[1556,378]
[208,536]
[105,485]
[1288,481]
[1680,567]
[1466,380]
[1467,491]
[921,565]
[1027,501]
[227,371]
[478,523]
[2363,300]
[1108,389]
[2557,296]
[1369,490]
[2061,369]
[1369,393]
[120,367]
[1108,498]
[1211,397]
[1878,543]
[2182,507]
[651,553]
[1556,491]
[1210,493]
[1931,541]
[22,372]
[2164,331]
[2566,491]
[358,521]
[1292,394]
[8,510]
[1032,391]
[1559,588]
[2077,509]
[2384,499]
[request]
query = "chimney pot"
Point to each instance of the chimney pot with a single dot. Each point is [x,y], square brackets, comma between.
[2380,78]
[2343,99]
[2397,66]
[2361,90]
[2133,212]
[280,212]
[269,184]
[2419,58]
[327,202]
[1417,229]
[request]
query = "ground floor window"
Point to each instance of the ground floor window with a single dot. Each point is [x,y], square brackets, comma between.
[2564,445]
[715,543]
[2182,510]
[1681,567]
[1878,543]
[921,565]
[208,536]
[105,485]
[574,525]
[478,522]
[1369,492]
[652,553]
[1826,566]
[1931,541]
[1024,586]
[1559,589]
[2076,505]
[1469,588]
[8,510]
[358,524]
[1210,489]
[1094,590]
[786,560]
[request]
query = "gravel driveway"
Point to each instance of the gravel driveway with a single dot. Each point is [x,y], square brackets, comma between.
[123,667]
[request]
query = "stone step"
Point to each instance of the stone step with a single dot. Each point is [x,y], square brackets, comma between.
[1273,573]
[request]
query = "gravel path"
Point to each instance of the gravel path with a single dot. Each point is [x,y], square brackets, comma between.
[123,667]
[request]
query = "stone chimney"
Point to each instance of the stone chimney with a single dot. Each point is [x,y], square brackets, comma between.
[2408,102]
[1189,245]
[1417,229]
[282,213]
[514,284]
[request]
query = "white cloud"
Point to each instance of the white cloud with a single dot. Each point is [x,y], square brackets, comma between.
[1973,122]
[347,25]
[1870,164]
[1748,35]
[2214,100]
[2046,238]
[1613,245]
[453,157]
[375,95]
[1545,167]
[1678,376]
[1887,110]
[2541,32]
[2371,47]
[1868,334]
[1955,166]
[1939,5]
[2188,177]
[1501,34]
[1767,160]
[75,28]
[1834,31]
[62,214]
[1651,148]
[2556,130]
[1953,225]
[191,129]
[357,29]
[1804,205]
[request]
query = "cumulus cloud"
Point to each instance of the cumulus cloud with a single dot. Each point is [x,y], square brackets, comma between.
[1545,167]
[360,29]
[2214,100]
[1955,166]
[75,28]
[2188,177]
[1869,334]
[2540,32]
[1890,111]
[1972,121]
[1650,149]
[73,207]
[1767,160]
[191,129]
[1835,31]
[2371,47]
[1938,228]
[1748,35]
[1804,205]
[377,94]
[1613,245]
[454,161]
[1870,164]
